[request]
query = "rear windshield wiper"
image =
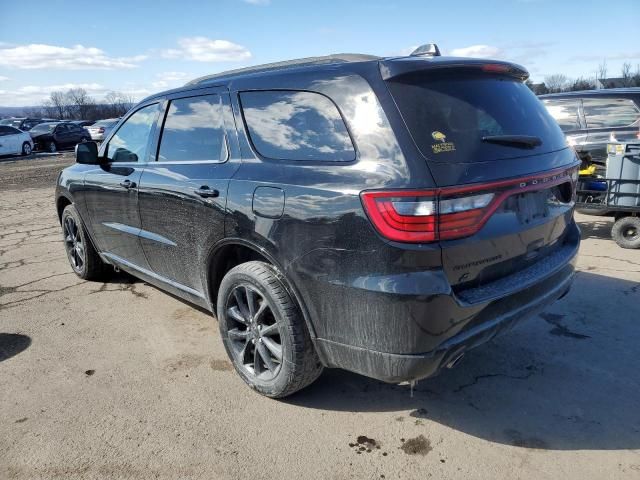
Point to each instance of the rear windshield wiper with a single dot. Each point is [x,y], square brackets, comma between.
[517,141]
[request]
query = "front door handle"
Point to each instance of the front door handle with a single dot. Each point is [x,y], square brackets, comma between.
[205,192]
[128,184]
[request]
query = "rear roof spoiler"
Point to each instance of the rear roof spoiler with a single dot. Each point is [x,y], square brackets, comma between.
[392,68]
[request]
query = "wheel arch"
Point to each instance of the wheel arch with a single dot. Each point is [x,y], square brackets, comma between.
[61,203]
[231,252]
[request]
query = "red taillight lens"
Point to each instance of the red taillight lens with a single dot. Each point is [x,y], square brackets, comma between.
[422,216]
[403,216]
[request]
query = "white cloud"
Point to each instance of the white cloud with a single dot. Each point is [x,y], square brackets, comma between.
[3,78]
[165,79]
[477,51]
[257,2]
[30,95]
[78,57]
[203,49]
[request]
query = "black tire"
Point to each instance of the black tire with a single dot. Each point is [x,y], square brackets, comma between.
[626,232]
[83,258]
[26,149]
[299,365]
[52,147]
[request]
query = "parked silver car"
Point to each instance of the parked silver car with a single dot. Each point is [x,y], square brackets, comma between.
[101,129]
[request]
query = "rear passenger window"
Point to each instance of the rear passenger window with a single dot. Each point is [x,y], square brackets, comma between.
[292,125]
[610,112]
[565,112]
[193,131]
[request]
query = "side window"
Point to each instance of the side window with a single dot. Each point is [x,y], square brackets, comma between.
[610,112]
[62,128]
[292,125]
[565,112]
[130,142]
[13,131]
[193,131]
[4,130]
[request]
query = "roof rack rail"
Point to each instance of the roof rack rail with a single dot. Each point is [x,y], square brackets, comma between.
[300,62]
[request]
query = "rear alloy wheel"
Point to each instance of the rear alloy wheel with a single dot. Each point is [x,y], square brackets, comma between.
[26,148]
[263,331]
[626,232]
[52,147]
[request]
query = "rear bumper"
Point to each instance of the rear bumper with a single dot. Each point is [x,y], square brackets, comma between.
[406,327]
[396,368]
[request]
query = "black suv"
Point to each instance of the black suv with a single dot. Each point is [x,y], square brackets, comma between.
[593,118]
[381,215]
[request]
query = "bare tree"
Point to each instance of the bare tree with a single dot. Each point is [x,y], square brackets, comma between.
[581,84]
[79,103]
[601,73]
[627,76]
[556,83]
[57,105]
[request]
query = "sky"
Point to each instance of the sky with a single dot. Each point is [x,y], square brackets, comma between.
[140,47]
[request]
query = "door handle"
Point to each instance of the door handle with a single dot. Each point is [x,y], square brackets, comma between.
[128,184]
[205,192]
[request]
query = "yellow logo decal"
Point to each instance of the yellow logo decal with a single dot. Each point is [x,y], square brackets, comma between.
[439,136]
[443,146]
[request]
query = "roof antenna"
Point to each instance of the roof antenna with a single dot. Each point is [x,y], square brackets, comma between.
[426,50]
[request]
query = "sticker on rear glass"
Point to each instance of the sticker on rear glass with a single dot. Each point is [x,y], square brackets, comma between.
[443,146]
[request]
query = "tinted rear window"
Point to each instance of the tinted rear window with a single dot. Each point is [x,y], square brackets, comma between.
[449,115]
[610,112]
[292,125]
[193,131]
[565,112]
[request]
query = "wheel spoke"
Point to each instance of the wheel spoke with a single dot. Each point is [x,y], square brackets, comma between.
[257,368]
[242,306]
[273,347]
[236,315]
[243,353]
[261,309]
[266,357]
[237,334]
[251,301]
[269,330]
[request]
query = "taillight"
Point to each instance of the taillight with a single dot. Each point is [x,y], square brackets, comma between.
[422,216]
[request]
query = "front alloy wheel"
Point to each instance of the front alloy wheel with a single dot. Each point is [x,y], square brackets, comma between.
[73,244]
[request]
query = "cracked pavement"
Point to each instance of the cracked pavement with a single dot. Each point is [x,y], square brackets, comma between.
[119,380]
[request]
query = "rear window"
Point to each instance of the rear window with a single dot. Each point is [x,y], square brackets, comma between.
[610,112]
[293,125]
[194,131]
[448,116]
[565,112]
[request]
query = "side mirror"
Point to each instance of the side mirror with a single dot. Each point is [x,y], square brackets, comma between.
[87,153]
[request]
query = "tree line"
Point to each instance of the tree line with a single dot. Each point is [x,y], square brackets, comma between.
[558,82]
[77,104]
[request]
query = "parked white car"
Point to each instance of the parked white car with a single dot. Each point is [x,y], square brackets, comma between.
[14,141]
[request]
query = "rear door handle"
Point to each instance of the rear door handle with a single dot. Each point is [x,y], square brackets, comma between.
[128,184]
[206,192]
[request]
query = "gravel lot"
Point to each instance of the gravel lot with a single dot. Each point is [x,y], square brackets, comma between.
[119,380]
